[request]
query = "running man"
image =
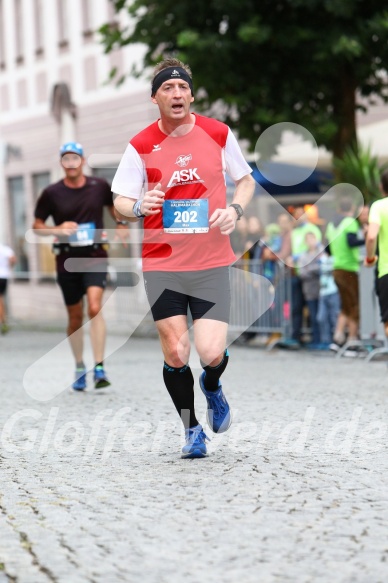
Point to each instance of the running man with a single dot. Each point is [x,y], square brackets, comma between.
[178,163]
[76,204]
[378,231]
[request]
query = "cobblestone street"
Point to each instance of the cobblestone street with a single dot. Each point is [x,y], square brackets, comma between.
[94,490]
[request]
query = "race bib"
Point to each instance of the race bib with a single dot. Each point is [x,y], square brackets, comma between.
[83,236]
[186,216]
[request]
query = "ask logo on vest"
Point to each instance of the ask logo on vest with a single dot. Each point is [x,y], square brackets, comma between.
[187,176]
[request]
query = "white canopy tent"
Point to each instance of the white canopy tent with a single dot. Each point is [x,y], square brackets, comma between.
[302,153]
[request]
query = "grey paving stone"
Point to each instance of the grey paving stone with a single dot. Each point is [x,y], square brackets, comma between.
[94,489]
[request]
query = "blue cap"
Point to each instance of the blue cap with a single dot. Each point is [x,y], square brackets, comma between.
[74,147]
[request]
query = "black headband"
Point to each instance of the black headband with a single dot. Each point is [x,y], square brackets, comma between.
[170,73]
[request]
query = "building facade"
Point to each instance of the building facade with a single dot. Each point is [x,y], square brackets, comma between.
[54,88]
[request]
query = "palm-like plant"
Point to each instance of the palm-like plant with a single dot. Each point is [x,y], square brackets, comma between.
[362,169]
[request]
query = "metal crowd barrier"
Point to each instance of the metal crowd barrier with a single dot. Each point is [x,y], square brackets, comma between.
[371,331]
[261,305]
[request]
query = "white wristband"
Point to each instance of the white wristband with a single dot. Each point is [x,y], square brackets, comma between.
[137,209]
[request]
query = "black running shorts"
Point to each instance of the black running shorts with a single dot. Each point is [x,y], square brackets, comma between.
[75,284]
[3,286]
[205,292]
[382,294]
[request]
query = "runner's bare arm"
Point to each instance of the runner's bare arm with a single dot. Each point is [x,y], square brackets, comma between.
[123,208]
[65,228]
[245,187]
[371,243]
[150,204]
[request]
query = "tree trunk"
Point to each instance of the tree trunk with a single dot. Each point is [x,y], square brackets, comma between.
[344,112]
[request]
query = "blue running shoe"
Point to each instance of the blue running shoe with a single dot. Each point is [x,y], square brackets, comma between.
[100,380]
[195,443]
[218,410]
[80,379]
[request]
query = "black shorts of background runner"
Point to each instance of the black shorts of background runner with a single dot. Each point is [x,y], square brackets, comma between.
[205,292]
[74,285]
[382,294]
[3,286]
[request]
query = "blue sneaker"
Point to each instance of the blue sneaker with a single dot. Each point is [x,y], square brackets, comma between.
[80,379]
[195,443]
[100,380]
[289,344]
[314,346]
[218,410]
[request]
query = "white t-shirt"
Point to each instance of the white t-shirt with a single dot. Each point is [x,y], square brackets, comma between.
[5,254]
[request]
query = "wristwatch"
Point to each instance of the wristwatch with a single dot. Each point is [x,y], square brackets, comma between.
[238,210]
[121,222]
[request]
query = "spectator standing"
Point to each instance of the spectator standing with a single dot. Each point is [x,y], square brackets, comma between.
[329,301]
[252,262]
[362,220]
[285,223]
[298,247]
[272,244]
[276,253]
[309,264]
[7,261]
[254,244]
[239,236]
[344,244]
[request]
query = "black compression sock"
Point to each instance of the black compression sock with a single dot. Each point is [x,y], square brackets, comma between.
[213,373]
[180,385]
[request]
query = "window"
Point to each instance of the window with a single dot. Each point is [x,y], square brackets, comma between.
[38,17]
[107,173]
[2,28]
[18,218]
[63,25]
[87,19]
[111,11]
[39,182]
[19,31]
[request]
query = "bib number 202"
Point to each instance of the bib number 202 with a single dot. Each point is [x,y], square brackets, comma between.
[185,216]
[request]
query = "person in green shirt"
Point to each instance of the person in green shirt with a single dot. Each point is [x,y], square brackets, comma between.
[298,247]
[378,230]
[344,243]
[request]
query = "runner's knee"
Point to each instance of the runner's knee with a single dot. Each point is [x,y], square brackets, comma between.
[93,309]
[211,353]
[75,321]
[176,355]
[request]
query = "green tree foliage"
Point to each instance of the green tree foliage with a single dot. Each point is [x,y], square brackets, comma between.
[269,61]
[362,169]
